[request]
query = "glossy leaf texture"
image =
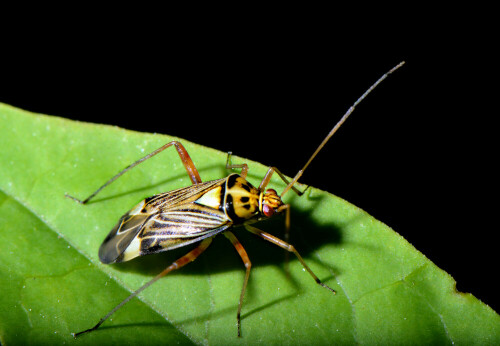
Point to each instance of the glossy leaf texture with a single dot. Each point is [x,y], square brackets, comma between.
[53,283]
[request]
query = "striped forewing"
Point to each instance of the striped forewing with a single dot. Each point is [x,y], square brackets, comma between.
[163,222]
[174,198]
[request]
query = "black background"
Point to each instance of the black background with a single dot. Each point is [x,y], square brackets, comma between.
[418,154]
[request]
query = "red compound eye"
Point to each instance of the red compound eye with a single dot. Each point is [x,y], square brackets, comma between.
[267,210]
[271,191]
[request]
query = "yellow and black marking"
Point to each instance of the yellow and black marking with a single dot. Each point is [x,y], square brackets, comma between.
[177,218]
[241,200]
[195,214]
[164,222]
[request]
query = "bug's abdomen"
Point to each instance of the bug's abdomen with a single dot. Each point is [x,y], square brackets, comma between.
[241,200]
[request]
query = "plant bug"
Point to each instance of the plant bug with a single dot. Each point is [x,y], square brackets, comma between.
[197,213]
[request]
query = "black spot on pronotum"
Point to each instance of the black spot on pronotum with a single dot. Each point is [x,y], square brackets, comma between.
[246,187]
[231,180]
[244,199]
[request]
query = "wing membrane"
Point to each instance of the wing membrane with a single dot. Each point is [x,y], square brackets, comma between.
[164,222]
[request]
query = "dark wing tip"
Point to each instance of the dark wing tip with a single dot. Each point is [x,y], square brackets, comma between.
[108,254]
[120,237]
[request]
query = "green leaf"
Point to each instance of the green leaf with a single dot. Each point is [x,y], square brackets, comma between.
[53,283]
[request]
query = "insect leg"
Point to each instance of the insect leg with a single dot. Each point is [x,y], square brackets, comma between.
[262,186]
[181,262]
[243,166]
[248,266]
[289,248]
[186,160]
[267,179]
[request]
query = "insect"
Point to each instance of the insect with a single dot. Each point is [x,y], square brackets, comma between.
[197,213]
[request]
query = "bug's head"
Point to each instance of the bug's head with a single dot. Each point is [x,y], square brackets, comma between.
[270,203]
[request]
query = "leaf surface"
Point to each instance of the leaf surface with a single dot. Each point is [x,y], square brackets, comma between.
[53,283]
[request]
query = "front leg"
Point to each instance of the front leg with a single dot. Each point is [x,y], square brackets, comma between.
[289,248]
[248,265]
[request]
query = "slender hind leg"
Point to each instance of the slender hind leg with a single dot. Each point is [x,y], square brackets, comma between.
[183,154]
[181,262]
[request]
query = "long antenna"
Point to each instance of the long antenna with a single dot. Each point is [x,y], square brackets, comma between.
[336,127]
